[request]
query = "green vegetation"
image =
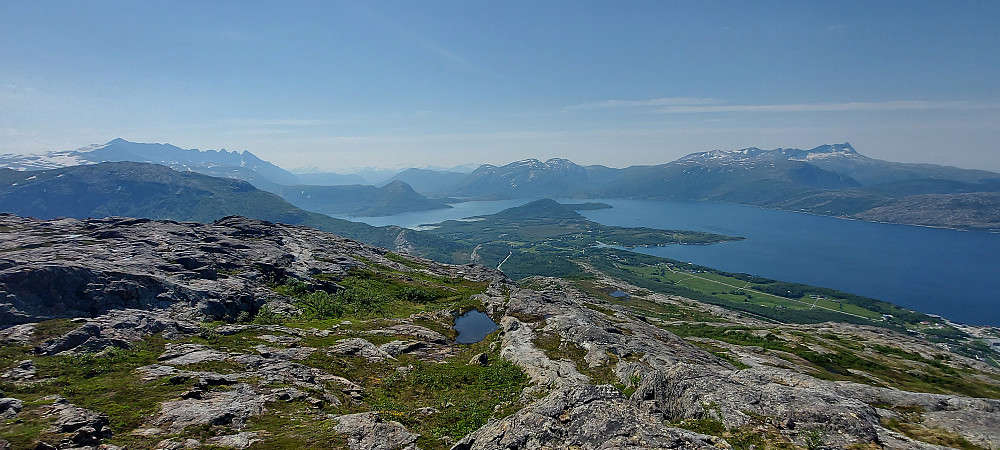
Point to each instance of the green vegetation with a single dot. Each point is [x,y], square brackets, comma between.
[910,421]
[556,348]
[543,235]
[753,295]
[105,382]
[472,390]
[376,291]
[760,433]
[841,361]
[442,400]
[456,397]
[762,298]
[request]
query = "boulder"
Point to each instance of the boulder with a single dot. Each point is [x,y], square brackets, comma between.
[368,431]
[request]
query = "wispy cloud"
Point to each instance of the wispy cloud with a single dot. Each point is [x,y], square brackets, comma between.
[219,35]
[277,123]
[421,41]
[436,49]
[654,102]
[677,105]
[900,105]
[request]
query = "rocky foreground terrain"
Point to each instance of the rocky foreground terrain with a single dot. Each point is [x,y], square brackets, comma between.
[128,333]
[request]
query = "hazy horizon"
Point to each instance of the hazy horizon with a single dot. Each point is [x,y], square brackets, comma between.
[458,167]
[340,85]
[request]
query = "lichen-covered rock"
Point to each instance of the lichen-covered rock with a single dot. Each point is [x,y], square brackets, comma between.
[584,417]
[22,371]
[416,331]
[9,407]
[183,354]
[87,268]
[84,427]
[368,431]
[119,328]
[231,408]
[240,440]
[359,347]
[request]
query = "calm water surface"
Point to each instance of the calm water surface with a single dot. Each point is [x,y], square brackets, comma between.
[951,273]
[473,327]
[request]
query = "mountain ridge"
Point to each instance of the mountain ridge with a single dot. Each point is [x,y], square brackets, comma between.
[830,179]
[159,192]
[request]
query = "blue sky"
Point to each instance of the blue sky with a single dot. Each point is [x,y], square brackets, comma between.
[390,84]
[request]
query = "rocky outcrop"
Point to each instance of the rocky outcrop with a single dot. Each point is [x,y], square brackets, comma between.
[82,427]
[360,347]
[368,431]
[601,376]
[87,268]
[673,381]
[22,371]
[585,417]
[9,407]
[137,277]
[230,408]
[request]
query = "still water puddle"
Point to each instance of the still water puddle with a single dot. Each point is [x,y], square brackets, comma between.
[473,327]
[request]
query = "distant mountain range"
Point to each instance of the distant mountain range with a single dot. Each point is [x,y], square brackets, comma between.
[359,200]
[129,189]
[831,180]
[297,189]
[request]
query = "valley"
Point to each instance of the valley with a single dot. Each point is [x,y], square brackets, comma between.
[455,225]
[833,180]
[248,334]
[241,332]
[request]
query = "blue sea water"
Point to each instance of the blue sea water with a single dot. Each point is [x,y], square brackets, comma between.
[951,273]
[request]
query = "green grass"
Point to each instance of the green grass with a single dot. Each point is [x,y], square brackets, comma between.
[105,383]
[466,396]
[378,291]
[910,421]
[837,363]
[760,433]
[557,348]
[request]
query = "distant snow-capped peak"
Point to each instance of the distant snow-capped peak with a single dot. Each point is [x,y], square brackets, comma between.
[829,151]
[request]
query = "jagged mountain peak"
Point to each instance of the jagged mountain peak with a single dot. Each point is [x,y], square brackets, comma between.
[242,165]
[825,151]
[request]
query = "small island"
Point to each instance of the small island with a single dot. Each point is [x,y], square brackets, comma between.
[541,237]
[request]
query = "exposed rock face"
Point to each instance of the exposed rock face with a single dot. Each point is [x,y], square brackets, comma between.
[369,432]
[231,408]
[601,377]
[84,427]
[360,347]
[586,417]
[71,268]
[166,276]
[119,327]
[678,381]
[23,370]
[9,407]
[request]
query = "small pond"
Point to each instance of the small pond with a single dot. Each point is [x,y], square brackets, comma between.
[620,294]
[473,327]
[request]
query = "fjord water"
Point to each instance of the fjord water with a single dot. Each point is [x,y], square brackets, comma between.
[955,274]
[946,272]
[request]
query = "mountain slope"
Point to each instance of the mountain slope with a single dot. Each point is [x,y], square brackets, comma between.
[358,200]
[527,178]
[241,333]
[239,165]
[832,180]
[127,189]
[430,182]
[845,160]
